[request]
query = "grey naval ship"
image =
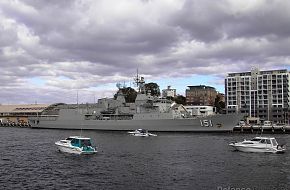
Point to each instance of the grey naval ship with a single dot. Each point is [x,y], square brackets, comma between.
[147,112]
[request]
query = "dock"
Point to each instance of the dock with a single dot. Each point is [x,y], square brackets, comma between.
[13,124]
[262,129]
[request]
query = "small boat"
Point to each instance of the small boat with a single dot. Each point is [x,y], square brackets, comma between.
[259,144]
[76,145]
[141,133]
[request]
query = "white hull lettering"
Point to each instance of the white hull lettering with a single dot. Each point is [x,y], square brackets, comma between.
[206,123]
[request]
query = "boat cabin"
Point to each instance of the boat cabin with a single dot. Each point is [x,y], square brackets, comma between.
[142,130]
[262,140]
[80,141]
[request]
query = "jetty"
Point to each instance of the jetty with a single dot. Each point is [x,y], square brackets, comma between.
[14,124]
[266,127]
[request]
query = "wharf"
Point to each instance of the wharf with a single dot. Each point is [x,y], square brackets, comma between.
[262,129]
[12,124]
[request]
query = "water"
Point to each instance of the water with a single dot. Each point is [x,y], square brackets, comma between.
[30,160]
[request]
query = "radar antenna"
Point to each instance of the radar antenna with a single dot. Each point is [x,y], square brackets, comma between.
[120,86]
[139,81]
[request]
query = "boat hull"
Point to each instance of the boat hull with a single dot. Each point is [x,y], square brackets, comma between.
[140,135]
[215,123]
[72,150]
[256,149]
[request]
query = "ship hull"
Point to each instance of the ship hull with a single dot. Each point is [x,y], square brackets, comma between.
[215,123]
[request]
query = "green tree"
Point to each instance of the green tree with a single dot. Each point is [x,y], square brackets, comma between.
[129,94]
[179,99]
[153,88]
[170,98]
[219,104]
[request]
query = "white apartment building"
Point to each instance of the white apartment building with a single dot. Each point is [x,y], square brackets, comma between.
[262,94]
[200,110]
[169,92]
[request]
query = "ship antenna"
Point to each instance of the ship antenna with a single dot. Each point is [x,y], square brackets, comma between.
[139,81]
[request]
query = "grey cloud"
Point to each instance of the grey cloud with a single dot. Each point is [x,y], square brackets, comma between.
[74,45]
[215,20]
[203,20]
[269,19]
[7,36]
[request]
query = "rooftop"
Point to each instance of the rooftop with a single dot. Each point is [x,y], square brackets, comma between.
[201,87]
[248,73]
[24,108]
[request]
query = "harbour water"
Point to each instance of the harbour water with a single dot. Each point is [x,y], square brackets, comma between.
[30,160]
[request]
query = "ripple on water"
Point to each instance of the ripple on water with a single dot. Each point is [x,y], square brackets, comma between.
[30,160]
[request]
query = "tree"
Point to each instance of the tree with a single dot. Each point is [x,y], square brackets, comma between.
[179,99]
[170,98]
[153,88]
[219,104]
[129,93]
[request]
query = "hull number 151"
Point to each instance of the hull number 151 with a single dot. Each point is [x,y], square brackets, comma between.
[206,123]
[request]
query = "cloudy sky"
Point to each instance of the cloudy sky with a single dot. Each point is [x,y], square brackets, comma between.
[52,50]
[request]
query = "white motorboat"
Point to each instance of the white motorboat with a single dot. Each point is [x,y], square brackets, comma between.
[76,145]
[259,144]
[141,133]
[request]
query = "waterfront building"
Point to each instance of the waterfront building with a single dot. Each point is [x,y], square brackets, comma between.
[259,94]
[169,92]
[20,113]
[200,110]
[200,95]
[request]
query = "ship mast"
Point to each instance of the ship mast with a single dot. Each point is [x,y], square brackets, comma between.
[139,81]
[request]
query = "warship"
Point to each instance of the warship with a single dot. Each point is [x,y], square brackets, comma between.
[147,112]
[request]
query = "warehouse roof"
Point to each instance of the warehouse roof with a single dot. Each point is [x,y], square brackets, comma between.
[23,108]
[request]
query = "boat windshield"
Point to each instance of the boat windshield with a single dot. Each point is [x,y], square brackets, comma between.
[86,142]
[142,130]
